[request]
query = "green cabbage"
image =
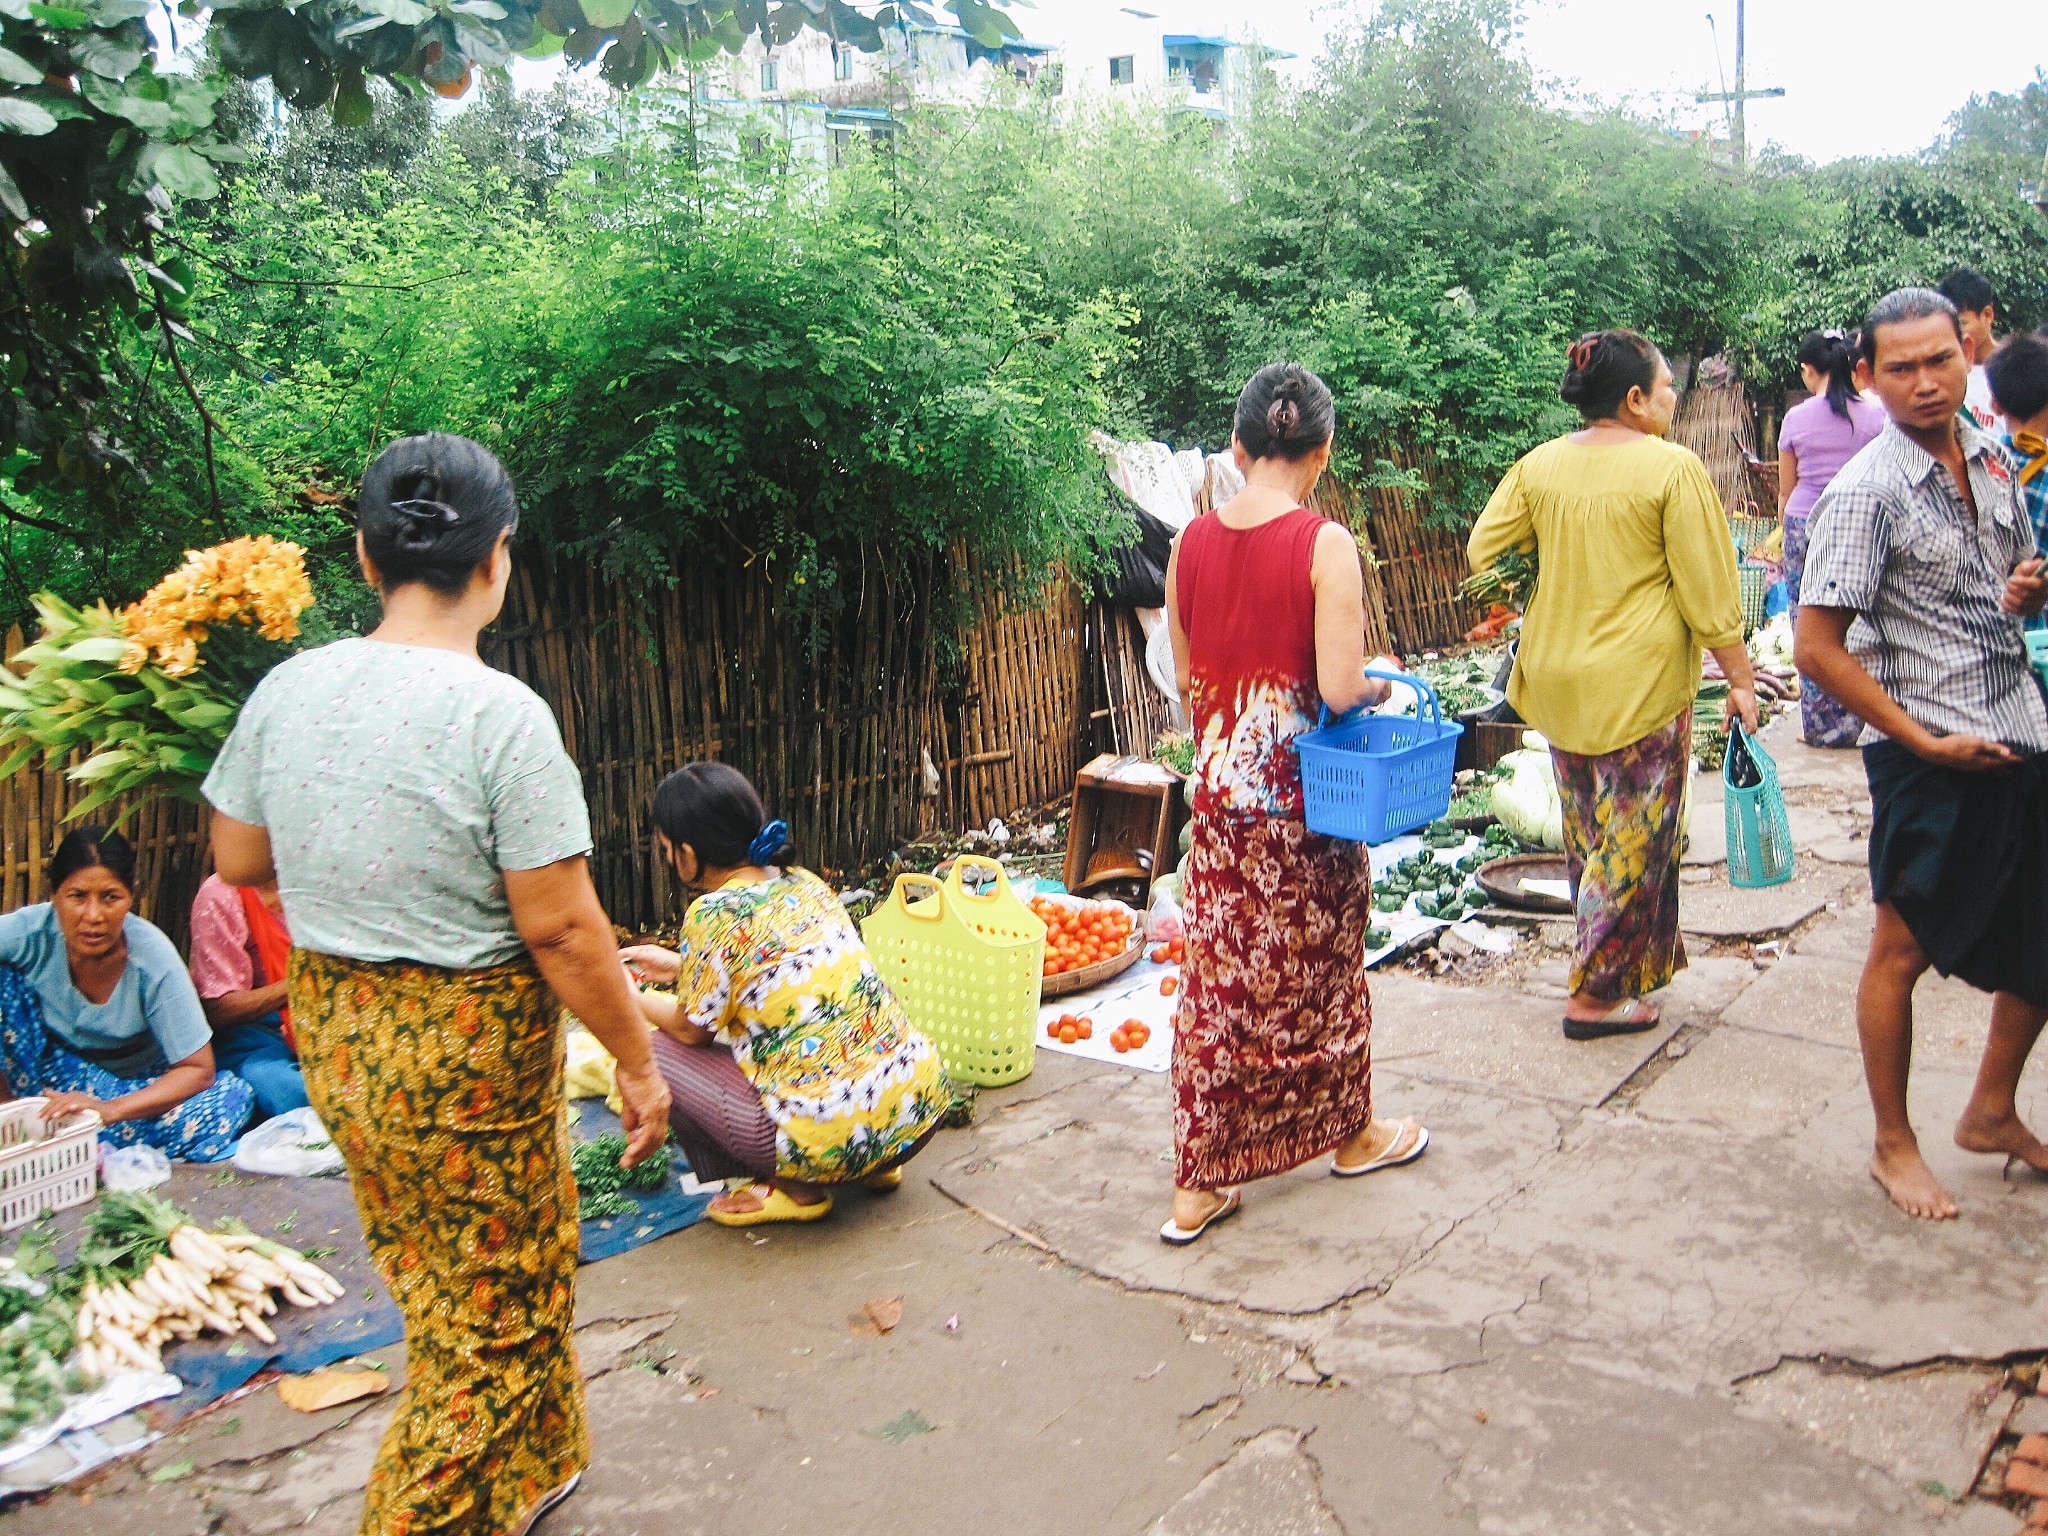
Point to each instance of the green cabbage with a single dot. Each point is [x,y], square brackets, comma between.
[1526,802]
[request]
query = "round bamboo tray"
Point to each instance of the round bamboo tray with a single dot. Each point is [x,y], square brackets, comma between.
[1093,975]
[1502,880]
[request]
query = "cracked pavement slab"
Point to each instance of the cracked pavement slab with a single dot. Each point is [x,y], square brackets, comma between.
[1083,1170]
[1931,1425]
[1270,1485]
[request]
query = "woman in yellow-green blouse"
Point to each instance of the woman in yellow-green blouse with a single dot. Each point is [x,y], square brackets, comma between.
[1635,577]
[790,1065]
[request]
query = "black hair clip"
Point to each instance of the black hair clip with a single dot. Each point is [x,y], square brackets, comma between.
[422,510]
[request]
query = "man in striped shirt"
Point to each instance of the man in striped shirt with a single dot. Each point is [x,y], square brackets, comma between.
[1921,572]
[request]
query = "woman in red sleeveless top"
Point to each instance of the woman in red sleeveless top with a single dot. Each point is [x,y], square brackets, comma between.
[1272,1063]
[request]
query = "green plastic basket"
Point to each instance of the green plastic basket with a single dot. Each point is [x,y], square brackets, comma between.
[1756,588]
[1759,835]
[966,968]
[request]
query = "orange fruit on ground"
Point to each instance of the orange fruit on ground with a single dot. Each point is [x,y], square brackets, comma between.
[1069,1034]
[1167,986]
[1086,1028]
[1120,1042]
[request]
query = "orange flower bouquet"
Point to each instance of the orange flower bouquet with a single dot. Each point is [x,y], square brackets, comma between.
[150,692]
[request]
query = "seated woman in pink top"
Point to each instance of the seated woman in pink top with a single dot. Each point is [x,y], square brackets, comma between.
[1818,437]
[239,945]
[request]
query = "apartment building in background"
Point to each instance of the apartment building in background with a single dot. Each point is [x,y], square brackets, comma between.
[820,94]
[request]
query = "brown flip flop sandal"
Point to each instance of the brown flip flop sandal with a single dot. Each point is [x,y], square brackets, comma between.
[1630,1018]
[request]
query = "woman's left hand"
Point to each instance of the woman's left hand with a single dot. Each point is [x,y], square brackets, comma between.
[62,1106]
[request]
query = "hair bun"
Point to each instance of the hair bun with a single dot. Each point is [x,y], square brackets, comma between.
[1283,417]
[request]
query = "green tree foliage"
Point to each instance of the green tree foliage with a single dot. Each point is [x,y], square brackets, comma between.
[98,146]
[691,346]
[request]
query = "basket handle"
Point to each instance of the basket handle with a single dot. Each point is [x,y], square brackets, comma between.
[958,887]
[1420,685]
[936,887]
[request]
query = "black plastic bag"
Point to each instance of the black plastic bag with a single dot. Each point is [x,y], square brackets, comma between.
[1138,570]
[1740,769]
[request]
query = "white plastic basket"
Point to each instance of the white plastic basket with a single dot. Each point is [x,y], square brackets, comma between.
[45,1168]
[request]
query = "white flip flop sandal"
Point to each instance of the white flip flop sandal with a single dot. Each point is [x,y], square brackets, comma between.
[550,1503]
[1173,1232]
[1389,1158]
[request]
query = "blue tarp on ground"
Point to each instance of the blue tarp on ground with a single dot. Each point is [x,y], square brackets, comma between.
[312,1214]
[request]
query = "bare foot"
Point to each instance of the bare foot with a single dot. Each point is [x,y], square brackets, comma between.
[1983,1133]
[1376,1139]
[1911,1183]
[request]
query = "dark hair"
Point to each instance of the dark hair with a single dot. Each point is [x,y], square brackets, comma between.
[1901,305]
[1967,288]
[1285,412]
[1603,366]
[92,848]
[715,810]
[1829,353]
[2019,375]
[432,509]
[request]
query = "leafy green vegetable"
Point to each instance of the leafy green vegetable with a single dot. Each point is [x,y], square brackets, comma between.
[600,1180]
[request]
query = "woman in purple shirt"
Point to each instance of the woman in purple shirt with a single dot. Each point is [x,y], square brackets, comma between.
[1818,437]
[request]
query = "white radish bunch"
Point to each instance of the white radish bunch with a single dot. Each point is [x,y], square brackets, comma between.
[207,1282]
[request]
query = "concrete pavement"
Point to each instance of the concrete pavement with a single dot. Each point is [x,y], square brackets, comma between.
[1639,1285]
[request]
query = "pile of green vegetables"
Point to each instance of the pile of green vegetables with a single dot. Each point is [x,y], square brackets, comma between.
[1709,723]
[1461,682]
[37,1332]
[601,1182]
[1438,889]
[1511,579]
[1498,843]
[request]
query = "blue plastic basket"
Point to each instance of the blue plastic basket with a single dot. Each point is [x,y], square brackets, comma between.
[1759,835]
[1367,778]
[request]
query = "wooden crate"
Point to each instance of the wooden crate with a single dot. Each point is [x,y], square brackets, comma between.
[1125,802]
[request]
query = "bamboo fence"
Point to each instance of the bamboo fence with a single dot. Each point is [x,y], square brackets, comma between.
[1413,569]
[169,836]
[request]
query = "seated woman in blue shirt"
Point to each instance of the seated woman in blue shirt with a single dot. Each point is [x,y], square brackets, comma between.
[98,1012]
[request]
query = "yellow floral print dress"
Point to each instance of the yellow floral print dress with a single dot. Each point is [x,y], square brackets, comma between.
[777,971]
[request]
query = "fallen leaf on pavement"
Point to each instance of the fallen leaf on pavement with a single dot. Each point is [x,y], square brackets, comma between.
[172,1471]
[330,1389]
[885,1312]
[953,1323]
[907,1425]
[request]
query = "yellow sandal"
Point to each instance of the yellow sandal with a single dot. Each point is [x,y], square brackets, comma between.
[775,1206]
[883,1183]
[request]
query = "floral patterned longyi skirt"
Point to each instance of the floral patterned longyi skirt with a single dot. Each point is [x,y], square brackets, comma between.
[1272,1043]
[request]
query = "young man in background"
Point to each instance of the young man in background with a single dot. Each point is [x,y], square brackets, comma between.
[2019,393]
[1921,544]
[1976,312]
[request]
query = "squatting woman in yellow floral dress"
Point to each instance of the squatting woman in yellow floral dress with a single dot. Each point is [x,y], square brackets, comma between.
[791,1066]
[429,838]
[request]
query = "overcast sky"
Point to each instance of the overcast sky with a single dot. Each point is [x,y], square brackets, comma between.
[1871,77]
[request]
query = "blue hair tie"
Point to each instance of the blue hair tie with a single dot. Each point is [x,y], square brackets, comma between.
[769,842]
